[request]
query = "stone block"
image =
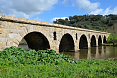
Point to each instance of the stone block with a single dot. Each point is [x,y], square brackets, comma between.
[15,45]
[3,40]
[35,28]
[2,47]
[4,30]
[5,35]
[38,22]
[1,35]
[8,43]
[33,21]
[19,38]
[15,41]
[12,35]
[25,30]
[3,43]
[22,34]
[1,30]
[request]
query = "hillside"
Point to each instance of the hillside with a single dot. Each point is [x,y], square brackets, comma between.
[93,22]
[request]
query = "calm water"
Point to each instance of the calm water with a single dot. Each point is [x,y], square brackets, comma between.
[101,52]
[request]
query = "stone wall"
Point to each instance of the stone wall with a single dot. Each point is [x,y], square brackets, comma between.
[13,29]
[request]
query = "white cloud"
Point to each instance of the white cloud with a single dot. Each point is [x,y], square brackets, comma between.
[54,19]
[114,11]
[25,8]
[86,5]
[65,1]
[98,11]
[104,12]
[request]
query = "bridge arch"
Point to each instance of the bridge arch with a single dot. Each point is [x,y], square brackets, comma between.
[37,41]
[93,41]
[66,43]
[83,42]
[104,39]
[99,40]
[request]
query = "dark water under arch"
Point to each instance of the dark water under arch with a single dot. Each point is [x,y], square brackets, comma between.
[37,41]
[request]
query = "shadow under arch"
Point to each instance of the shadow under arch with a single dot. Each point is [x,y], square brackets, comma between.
[104,39]
[37,41]
[66,44]
[99,40]
[93,41]
[83,42]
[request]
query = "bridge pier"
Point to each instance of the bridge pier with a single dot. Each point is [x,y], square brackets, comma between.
[96,42]
[54,45]
[76,45]
[89,44]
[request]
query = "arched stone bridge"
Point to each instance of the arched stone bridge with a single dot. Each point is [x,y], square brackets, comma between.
[42,35]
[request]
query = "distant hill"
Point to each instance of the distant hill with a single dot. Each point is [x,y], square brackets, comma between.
[93,22]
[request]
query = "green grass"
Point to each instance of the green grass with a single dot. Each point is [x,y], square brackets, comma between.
[64,67]
[84,69]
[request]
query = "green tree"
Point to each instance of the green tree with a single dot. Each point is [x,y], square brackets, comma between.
[113,31]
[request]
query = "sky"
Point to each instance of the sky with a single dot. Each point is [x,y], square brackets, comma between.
[50,10]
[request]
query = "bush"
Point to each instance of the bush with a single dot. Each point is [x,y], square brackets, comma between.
[110,39]
[20,63]
[13,55]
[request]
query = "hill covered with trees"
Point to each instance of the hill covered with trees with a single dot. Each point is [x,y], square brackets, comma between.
[93,22]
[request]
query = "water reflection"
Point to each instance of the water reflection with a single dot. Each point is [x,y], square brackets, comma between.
[101,52]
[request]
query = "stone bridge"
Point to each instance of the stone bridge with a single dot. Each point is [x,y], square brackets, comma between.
[42,35]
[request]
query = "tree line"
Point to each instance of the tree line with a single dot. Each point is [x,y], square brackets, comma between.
[93,22]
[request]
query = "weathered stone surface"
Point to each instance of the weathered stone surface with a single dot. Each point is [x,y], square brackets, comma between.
[12,35]
[1,30]
[2,39]
[13,29]
[19,38]
[8,43]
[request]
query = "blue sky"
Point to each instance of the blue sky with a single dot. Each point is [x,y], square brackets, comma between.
[49,10]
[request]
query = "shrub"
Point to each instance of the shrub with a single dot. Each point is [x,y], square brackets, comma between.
[13,55]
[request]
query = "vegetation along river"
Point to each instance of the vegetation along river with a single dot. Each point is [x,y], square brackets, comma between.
[101,52]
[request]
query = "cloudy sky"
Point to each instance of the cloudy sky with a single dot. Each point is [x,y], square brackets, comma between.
[49,10]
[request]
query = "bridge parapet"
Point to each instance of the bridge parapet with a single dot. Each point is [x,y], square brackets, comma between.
[35,22]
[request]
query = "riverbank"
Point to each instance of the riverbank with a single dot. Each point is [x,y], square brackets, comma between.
[20,63]
[109,44]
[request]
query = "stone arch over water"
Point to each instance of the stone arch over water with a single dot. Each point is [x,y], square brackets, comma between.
[99,40]
[83,42]
[66,43]
[37,41]
[104,39]
[93,41]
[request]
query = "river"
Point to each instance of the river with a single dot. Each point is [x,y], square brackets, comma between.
[101,52]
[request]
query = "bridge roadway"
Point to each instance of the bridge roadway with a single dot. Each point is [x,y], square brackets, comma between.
[42,35]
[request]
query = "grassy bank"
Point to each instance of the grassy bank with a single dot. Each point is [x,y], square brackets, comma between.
[84,68]
[109,44]
[18,63]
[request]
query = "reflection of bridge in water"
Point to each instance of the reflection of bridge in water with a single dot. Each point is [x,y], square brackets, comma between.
[101,52]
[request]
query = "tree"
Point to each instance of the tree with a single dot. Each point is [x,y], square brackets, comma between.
[95,22]
[113,31]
